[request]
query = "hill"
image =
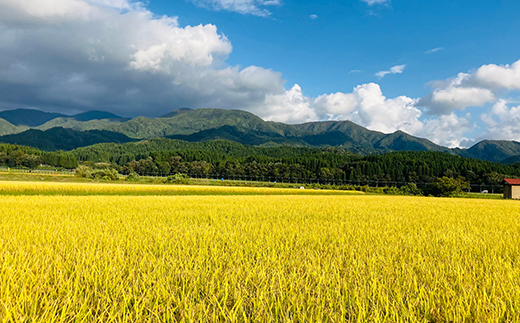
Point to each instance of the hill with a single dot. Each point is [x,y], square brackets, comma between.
[175,112]
[63,139]
[511,160]
[95,115]
[35,118]
[8,128]
[29,117]
[246,128]
[493,150]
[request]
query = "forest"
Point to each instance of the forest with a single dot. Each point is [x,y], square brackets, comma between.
[24,156]
[228,159]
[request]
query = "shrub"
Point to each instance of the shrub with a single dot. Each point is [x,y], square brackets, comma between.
[104,174]
[447,187]
[391,190]
[133,176]
[84,171]
[178,179]
[410,189]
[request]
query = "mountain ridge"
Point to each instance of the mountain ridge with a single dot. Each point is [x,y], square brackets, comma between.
[63,139]
[244,127]
[36,118]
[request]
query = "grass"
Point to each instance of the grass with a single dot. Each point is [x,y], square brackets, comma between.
[261,258]
[489,196]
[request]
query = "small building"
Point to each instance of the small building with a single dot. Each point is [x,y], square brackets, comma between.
[512,188]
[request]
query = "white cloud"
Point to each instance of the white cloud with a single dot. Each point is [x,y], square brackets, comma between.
[447,130]
[433,50]
[165,44]
[503,122]
[290,107]
[444,100]
[398,69]
[251,7]
[313,17]
[130,61]
[373,2]
[472,89]
[499,76]
[45,10]
[367,106]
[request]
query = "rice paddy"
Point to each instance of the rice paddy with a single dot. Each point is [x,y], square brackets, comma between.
[73,252]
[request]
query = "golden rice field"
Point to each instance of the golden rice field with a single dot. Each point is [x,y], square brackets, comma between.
[50,188]
[266,257]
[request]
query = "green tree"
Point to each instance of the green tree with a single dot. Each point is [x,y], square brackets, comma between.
[446,186]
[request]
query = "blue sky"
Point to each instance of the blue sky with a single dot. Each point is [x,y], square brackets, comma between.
[351,35]
[444,70]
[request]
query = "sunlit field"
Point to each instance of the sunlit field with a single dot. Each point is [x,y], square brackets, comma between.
[46,188]
[138,253]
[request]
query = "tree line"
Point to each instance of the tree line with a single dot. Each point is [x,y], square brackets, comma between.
[23,156]
[233,159]
[226,158]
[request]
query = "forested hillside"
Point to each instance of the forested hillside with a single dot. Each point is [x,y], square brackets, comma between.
[163,156]
[63,139]
[239,126]
[23,156]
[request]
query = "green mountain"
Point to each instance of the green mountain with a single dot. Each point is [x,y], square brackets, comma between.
[399,141]
[246,128]
[185,123]
[63,139]
[95,115]
[35,118]
[175,112]
[243,136]
[492,150]
[28,117]
[8,128]
[511,160]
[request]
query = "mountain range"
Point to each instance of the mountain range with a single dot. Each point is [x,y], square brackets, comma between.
[35,118]
[52,131]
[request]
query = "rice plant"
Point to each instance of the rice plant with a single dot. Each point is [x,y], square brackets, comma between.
[256,258]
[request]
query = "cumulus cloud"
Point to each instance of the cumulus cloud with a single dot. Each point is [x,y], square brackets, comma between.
[503,122]
[398,69]
[456,95]
[472,89]
[499,76]
[251,7]
[447,130]
[367,106]
[116,55]
[292,106]
[313,17]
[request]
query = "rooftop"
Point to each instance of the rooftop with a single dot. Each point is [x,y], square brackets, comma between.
[512,181]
